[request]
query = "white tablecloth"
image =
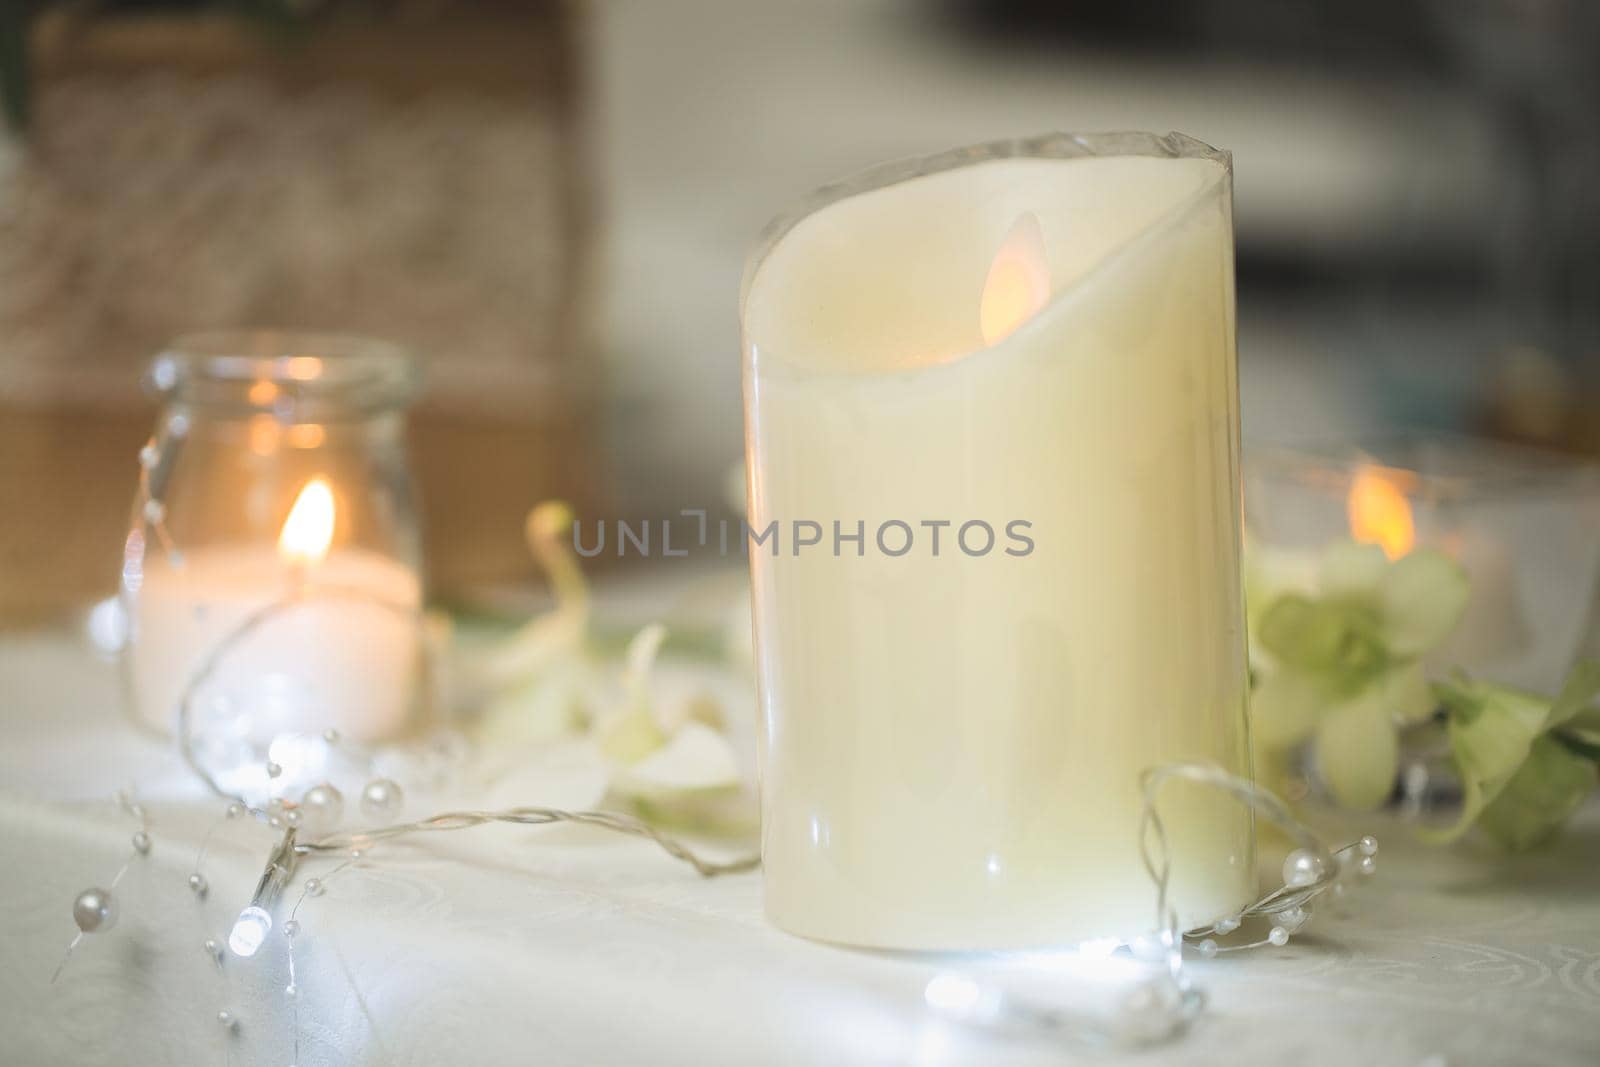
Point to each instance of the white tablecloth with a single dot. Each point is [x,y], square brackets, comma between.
[513,945]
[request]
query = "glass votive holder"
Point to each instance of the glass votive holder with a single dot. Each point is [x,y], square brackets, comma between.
[272,575]
[1524,524]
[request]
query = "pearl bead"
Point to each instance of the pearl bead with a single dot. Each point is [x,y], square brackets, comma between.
[322,807]
[141,843]
[331,736]
[314,887]
[291,818]
[275,821]
[291,928]
[1367,866]
[1368,845]
[1302,867]
[1228,925]
[154,511]
[382,798]
[1208,948]
[213,949]
[149,456]
[274,769]
[236,810]
[197,884]
[1278,936]
[290,990]
[226,1020]
[1292,919]
[95,911]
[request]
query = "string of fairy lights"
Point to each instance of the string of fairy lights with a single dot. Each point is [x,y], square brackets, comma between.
[307,829]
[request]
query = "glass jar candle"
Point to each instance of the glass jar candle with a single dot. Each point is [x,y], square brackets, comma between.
[272,577]
[992,440]
[1523,524]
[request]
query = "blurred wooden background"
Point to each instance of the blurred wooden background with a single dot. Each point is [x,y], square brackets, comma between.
[418,177]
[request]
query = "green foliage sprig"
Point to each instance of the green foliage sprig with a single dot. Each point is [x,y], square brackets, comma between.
[1339,666]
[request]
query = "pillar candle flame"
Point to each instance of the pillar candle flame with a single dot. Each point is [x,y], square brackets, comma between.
[1018,285]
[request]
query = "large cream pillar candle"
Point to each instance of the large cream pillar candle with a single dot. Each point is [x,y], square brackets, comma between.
[1033,339]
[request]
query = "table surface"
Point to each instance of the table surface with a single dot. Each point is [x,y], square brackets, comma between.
[515,945]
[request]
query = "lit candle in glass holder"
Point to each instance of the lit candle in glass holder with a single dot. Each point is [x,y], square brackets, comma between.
[1524,525]
[275,545]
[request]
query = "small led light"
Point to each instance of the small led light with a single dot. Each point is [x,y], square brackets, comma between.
[250,931]
[962,999]
[953,994]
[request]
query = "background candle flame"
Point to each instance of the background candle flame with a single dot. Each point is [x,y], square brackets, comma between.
[308,531]
[1019,281]
[1379,512]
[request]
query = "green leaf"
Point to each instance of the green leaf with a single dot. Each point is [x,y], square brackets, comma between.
[1424,596]
[1492,729]
[1582,686]
[1578,745]
[1358,753]
[1548,787]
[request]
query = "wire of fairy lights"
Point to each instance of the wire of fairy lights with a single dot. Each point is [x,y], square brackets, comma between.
[1158,1010]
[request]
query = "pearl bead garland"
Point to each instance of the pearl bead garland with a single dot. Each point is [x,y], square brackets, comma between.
[382,798]
[1303,867]
[321,808]
[95,911]
[1307,873]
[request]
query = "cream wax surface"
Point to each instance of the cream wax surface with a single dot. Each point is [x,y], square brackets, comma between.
[951,742]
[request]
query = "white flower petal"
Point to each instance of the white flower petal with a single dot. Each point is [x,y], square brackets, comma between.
[1284,708]
[1358,753]
[1424,596]
[1348,567]
[696,758]
[1405,695]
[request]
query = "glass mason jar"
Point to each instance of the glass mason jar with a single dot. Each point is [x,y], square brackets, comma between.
[272,577]
[992,438]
